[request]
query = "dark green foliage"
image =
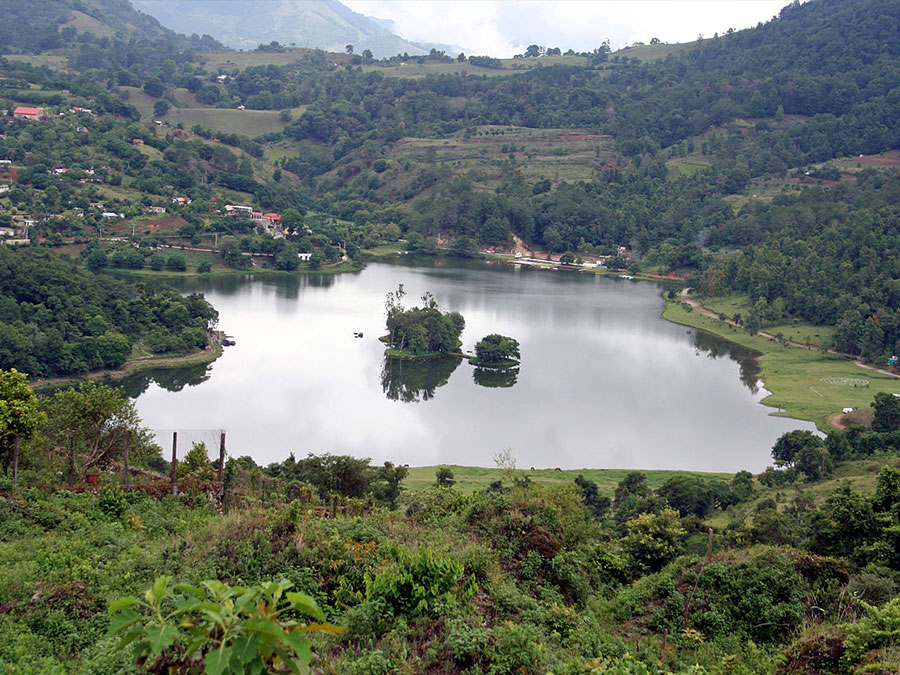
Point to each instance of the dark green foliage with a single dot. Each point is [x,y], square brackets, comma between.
[596,505]
[112,502]
[444,477]
[424,330]
[64,320]
[887,412]
[803,452]
[421,583]
[497,348]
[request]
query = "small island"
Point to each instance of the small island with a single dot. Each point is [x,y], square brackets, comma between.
[496,351]
[421,332]
[430,336]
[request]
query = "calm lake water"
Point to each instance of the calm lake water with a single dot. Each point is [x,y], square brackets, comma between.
[604,382]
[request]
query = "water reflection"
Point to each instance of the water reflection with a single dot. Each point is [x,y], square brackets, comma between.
[413,381]
[608,382]
[170,379]
[716,347]
[496,377]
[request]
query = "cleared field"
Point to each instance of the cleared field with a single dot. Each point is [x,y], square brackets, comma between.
[214,61]
[655,52]
[553,154]
[245,122]
[83,23]
[225,120]
[54,61]
[140,100]
[470,478]
[686,166]
[818,336]
[413,69]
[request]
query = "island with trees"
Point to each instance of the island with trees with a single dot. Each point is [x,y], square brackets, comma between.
[421,332]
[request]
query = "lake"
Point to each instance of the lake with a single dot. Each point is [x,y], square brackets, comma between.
[604,381]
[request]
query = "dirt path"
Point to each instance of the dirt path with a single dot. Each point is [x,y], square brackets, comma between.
[214,346]
[706,312]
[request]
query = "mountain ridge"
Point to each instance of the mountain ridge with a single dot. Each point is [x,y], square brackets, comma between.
[324,24]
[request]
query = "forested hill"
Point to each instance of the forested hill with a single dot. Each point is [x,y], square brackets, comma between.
[35,27]
[680,153]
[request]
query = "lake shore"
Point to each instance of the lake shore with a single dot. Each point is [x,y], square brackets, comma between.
[804,384]
[212,351]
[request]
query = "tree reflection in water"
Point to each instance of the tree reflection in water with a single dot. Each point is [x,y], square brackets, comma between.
[495,377]
[170,379]
[416,380]
[746,358]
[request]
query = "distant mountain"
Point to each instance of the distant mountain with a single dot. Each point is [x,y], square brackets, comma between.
[245,24]
[33,27]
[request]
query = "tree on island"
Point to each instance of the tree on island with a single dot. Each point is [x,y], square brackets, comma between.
[497,349]
[422,330]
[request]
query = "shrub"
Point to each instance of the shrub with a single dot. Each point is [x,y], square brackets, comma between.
[112,502]
[226,629]
[419,583]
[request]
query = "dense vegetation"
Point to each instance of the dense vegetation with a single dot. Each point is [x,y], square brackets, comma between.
[521,577]
[421,330]
[680,157]
[58,319]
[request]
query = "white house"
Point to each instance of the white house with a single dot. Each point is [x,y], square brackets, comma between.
[304,256]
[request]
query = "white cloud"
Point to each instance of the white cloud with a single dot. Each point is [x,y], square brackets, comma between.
[504,27]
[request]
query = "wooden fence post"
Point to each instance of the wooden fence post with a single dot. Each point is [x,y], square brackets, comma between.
[174,460]
[222,469]
[125,463]
[222,459]
[709,546]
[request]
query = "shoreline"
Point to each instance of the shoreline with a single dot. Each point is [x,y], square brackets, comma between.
[213,351]
[807,384]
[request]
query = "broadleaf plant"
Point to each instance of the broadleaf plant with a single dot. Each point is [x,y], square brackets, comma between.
[219,629]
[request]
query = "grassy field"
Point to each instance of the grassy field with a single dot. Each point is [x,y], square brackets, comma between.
[736,303]
[470,478]
[654,52]
[413,69]
[83,23]
[686,166]
[225,120]
[229,61]
[806,384]
[56,61]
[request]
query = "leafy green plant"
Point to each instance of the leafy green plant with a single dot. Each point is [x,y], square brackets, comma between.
[218,628]
[419,583]
[878,629]
[112,502]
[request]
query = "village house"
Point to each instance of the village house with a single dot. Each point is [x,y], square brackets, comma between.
[4,188]
[236,209]
[304,257]
[181,201]
[26,113]
[137,141]
[156,209]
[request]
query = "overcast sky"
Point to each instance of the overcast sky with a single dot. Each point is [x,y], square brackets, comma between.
[504,27]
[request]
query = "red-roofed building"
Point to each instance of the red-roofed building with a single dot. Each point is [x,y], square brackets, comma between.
[274,217]
[25,113]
